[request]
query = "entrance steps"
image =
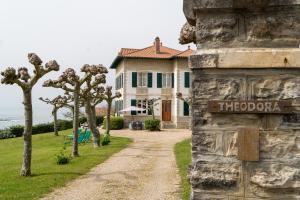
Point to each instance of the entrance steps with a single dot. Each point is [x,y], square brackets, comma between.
[168,125]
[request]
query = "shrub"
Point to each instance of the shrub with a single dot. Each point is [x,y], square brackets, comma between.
[42,128]
[16,130]
[116,123]
[5,134]
[64,124]
[82,120]
[99,120]
[62,158]
[152,124]
[106,140]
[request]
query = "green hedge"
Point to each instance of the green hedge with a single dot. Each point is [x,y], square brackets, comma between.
[64,124]
[152,124]
[116,123]
[99,120]
[42,128]
[17,131]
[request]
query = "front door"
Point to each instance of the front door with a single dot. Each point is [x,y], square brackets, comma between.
[166,110]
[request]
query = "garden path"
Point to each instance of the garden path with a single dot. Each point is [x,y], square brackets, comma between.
[146,170]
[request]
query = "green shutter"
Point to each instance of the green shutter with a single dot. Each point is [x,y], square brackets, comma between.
[159,80]
[122,77]
[186,79]
[186,109]
[133,103]
[134,79]
[173,80]
[118,82]
[149,80]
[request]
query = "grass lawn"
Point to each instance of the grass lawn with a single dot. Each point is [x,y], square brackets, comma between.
[46,174]
[183,159]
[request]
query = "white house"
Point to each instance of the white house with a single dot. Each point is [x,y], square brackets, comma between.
[152,72]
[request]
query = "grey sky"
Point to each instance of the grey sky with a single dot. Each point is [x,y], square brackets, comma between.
[75,32]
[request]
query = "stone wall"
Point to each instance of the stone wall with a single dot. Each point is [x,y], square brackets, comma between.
[242,23]
[216,173]
[248,50]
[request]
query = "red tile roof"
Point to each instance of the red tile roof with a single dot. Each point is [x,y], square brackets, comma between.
[125,51]
[185,54]
[151,53]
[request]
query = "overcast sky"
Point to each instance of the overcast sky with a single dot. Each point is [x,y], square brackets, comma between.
[75,32]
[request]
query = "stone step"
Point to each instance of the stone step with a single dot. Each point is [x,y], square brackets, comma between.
[168,125]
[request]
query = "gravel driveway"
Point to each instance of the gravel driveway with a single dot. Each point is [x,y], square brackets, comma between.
[146,170]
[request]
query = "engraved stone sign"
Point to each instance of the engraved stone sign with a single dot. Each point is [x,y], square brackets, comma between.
[272,107]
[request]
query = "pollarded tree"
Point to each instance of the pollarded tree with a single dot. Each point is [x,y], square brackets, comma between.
[57,103]
[152,103]
[72,83]
[97,95]
[188,100]
[23,79]
[109,98]
[88,94]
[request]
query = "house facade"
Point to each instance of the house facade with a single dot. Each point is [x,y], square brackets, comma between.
[156,71]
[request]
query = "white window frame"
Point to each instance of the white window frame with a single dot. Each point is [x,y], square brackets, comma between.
[142,103]
[167,80]
[142,79]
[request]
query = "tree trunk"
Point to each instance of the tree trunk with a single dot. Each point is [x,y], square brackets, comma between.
[152,111]
[92,123]
[27,135]
[93,107]
[75,123]
[108,117]
[54,113]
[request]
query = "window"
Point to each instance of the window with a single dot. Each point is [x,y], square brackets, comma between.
[119,82]
[145,104]
[142,79]
[167,80]
[142,104]
[118,106]
[186,109]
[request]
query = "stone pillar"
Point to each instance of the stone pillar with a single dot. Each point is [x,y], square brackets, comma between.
[246,98]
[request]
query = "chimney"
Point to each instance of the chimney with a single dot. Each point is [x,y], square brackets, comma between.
[157,45]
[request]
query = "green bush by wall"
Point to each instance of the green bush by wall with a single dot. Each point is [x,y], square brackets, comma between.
[152,124]
[116,123]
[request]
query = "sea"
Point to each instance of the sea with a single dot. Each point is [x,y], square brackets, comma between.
[10,116]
